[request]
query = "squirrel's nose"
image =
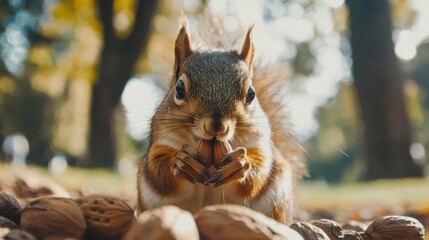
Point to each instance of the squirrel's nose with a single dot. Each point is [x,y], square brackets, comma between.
[216,129]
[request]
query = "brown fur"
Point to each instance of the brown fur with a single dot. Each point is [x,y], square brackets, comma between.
[154,171]
[253,187]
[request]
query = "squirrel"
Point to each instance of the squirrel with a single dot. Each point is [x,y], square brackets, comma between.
[219,135]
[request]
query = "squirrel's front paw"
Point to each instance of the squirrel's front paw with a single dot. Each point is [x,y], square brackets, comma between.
[234,166]
[189,166]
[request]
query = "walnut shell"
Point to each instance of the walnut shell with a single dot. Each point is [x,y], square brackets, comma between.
[355,225]
[7,223]
[9,207]
[53,218]
[352,235]
[364,236]
[106,217]
[395,227]
[169,222]
[330,227]
[17,234]
[239,222]
[309,232]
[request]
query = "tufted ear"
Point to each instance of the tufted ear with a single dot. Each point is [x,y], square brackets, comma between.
[248,51]
[183,47]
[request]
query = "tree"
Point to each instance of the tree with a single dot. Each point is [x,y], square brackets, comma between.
[23,110]
[378,81]
[118,57]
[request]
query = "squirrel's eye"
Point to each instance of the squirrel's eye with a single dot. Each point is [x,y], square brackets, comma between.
[250,95]
[180,90]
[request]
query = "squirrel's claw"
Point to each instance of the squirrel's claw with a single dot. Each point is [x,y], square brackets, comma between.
[194,154]
[180,173]
[230,172]
[190,168]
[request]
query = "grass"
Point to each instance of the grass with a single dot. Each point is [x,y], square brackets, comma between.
[410,193]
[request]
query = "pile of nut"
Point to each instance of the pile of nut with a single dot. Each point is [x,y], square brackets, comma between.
[107,217]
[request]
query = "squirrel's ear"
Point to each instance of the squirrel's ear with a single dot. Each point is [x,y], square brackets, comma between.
[183,47]
[248,51]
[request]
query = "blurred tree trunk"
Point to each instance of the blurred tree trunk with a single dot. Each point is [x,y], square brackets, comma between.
[378,81]
[118,57]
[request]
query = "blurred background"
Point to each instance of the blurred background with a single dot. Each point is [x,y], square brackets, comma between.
[79,79]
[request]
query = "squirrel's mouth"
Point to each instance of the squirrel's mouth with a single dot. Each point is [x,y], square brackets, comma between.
[215,130]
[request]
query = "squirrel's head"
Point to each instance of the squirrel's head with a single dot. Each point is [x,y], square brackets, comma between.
[213,86]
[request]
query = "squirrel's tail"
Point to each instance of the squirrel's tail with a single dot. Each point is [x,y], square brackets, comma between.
[271,88]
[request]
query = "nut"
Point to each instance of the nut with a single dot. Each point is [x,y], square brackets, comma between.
[351,235]
[395,227]
[204,148]
[220,150]
[309,231]
[9,207]
[355,225]
[53,218]
[106,217]
[330,227]
[169,222]
[213,152]
[364,236]
[17,234]
[7,223]
[239,222]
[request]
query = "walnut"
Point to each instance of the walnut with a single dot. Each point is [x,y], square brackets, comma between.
[239,222]
[7,223]
[9,207]
[353,235]
[17,234]
[330,227]
[395,227]
[53,218]
[309,231]
[169,222]
[106,217]
[355,225]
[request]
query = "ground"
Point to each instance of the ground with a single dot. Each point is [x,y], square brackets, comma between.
[343,202]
